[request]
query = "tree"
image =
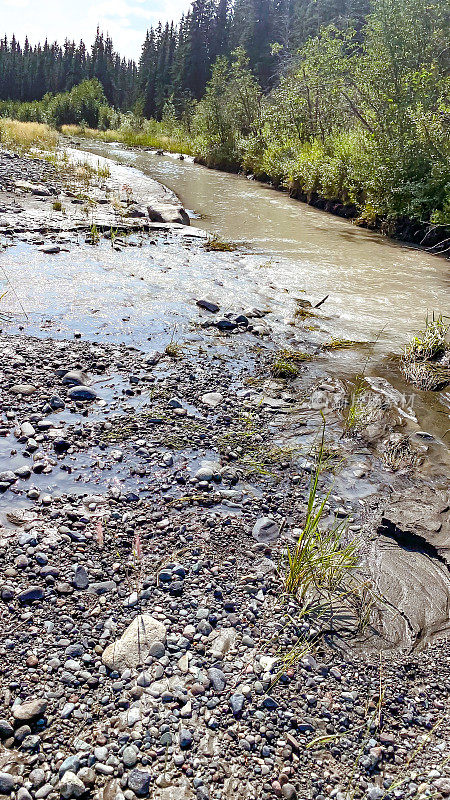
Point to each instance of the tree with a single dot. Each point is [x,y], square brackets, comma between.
[228,111]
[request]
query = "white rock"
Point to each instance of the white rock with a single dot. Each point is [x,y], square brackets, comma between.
[133,646]
[71,786]
[212,399]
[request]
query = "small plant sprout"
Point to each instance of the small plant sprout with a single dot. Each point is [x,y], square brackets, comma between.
[286,363]
[94,235]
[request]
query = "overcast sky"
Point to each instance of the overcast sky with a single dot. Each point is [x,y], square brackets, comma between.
[125,20]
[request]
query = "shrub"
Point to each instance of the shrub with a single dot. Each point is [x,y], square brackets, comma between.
[83,105]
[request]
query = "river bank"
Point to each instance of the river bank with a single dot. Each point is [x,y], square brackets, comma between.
[432,237]
[156,468]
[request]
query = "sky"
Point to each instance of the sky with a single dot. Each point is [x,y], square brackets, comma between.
[125,20]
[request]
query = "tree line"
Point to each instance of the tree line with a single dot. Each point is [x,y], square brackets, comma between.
[176,59]
[29,73]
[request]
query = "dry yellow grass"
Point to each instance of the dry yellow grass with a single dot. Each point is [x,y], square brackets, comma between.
[26,136]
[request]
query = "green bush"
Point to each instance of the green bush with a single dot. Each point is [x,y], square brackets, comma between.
[81,106]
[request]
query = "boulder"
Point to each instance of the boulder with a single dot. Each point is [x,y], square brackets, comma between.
[134,645]
[165,212]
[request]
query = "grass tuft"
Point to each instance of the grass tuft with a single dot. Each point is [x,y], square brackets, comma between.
[425,361]
[429,344]
[320,563]
[217,245]
[286,363]
[173,350]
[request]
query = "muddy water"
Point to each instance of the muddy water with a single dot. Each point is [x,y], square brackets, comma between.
[374,284]
[379,291]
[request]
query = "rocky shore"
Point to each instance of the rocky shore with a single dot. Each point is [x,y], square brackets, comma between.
[148,498]
[74,194]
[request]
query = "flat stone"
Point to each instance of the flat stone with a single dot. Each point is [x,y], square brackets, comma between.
[217,678]
[152,357]
[82,394]
[212,399]
[25,389]
[266,530]
[208,306]
[134,645]
[139,782]
[237,703]
[31,594]
[81,578]
[224,640]
[7,783]
[75,377]
[50,249]
[102,587]
[70,764]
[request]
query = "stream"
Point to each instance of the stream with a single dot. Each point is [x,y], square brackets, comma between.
[144,295]
[379,291]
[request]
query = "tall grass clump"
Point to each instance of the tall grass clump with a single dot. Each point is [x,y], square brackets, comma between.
[319,568]
[431,343]
[27,136]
